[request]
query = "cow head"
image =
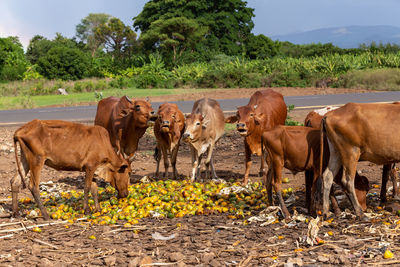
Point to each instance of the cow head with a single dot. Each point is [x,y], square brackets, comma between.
[247,119]
[143,113]
[166,118]
[195,124]
[120,178]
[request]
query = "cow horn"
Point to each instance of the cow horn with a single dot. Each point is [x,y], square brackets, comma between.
[127,98]
[147,99]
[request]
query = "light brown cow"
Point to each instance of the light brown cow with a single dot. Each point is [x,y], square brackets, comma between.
[168,130]
[204,126]
[297,148]
[66,146]
[265,110]
[126,121]
[359,132]
[314,118]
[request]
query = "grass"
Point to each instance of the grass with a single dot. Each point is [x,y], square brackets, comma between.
[15,102]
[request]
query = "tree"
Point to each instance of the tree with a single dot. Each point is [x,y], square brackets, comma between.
[118,38]
[261,47]
[229,21]
[62,62]
[175,34]
[86,30]
[13,62]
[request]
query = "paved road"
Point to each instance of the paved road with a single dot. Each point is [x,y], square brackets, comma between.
[87,113]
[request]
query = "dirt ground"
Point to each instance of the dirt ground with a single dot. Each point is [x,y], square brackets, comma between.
[208,240]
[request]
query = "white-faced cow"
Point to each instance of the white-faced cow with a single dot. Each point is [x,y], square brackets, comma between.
[126,121]
[168,130]
[204,126]
[366,132]
[66,146]
[265,110]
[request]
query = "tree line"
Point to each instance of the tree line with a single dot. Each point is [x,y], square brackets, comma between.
[173,35]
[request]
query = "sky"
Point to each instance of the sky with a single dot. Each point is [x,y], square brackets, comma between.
[26,18]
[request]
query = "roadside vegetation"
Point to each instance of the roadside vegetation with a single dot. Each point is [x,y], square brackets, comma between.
[202,49]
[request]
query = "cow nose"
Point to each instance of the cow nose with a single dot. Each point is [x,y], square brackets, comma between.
[185,135]
[152,113]
[240,125]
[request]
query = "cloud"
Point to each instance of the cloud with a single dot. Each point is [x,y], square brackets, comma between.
[341,31]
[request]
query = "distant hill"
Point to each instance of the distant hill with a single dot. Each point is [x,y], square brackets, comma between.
[345,37]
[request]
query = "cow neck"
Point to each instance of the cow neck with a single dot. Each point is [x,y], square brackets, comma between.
[254,140]
[133,134]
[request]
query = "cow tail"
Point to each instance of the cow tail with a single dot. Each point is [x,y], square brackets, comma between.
[16,141]
[321,159]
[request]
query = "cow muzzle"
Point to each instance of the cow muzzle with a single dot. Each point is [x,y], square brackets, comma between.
[186,137]
[242,129]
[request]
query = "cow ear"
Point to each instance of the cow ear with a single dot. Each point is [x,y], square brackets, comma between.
[122,168]
[258,118]
[231,119]
[124,112]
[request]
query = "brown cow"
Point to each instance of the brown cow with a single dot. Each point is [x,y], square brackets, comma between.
[265,110]
[204,126]
[126,121]
[297,148]
[168,130]
[314,118]
[66,146]
[359,132]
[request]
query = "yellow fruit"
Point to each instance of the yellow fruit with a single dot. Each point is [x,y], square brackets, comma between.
[37,229]
[92,237]
[285,180]
[388,254]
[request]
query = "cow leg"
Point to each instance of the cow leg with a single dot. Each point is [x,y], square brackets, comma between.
[166,161]
[394,178]
[95,195]
[335,204]
[199,166]
[174,155]
[213,173]
[350,168]
[157,157]
[34,185]
[276,183]
[330,172]
[309,183]
[385,176]
[268,185]
[248,163]
[16,182]
[262,166]
[195,163]
[208,160]
[88,182]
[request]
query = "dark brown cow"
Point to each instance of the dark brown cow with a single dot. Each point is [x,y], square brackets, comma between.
[66,146]
[297,148]
[265,110]
[126,121]
[204,126]
[314,118]
[359,132]
[168,130]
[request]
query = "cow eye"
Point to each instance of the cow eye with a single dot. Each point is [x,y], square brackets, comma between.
[137,107]
[252,114]
[198,123]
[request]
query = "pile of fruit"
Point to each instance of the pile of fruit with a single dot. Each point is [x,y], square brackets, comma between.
[168,199]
